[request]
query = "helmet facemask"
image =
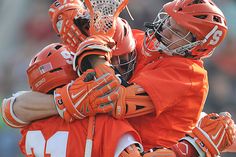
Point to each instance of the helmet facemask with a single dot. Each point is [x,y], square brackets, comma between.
[155,40]
[125,64]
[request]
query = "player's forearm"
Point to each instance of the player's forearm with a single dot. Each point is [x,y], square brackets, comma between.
[33,106]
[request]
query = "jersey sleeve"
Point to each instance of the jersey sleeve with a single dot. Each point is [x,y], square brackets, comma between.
[169,80]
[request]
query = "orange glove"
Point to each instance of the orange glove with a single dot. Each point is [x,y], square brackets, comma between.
[213,134]
[93,45]
[132,102]
[86,96]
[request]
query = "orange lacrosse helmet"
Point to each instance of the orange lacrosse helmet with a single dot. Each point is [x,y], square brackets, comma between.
[124,55]
[70,20]
[50,68]
[125,42]
[202,18]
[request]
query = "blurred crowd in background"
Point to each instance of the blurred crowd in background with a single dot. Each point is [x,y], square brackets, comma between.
[25,29]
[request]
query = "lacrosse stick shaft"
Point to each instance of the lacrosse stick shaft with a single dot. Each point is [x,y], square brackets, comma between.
[103,15]
[90,134]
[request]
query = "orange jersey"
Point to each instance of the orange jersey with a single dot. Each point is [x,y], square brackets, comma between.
[178,88]
[56,138]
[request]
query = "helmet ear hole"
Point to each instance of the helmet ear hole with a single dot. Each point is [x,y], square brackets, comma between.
[49,54]
[58,47]
[202,50]
[125,31]
[180,9]
[217,19]
[35,58]
[198,1]
[211,3]
[54,70]
[201,16]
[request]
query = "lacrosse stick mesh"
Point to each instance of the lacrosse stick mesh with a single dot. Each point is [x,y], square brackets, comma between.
[103,15]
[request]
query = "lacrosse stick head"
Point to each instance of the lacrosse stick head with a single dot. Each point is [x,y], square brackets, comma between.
[103,15]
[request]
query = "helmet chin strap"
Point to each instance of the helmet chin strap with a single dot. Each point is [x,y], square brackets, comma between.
[149,25]
[162,48]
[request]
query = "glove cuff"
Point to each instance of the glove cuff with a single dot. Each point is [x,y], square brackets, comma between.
[65,106]
[205,141]
[8,114]
[120,107]
[60,106]
[192,141]
[59,103]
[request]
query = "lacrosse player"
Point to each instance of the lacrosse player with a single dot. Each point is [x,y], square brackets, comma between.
[168,67]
